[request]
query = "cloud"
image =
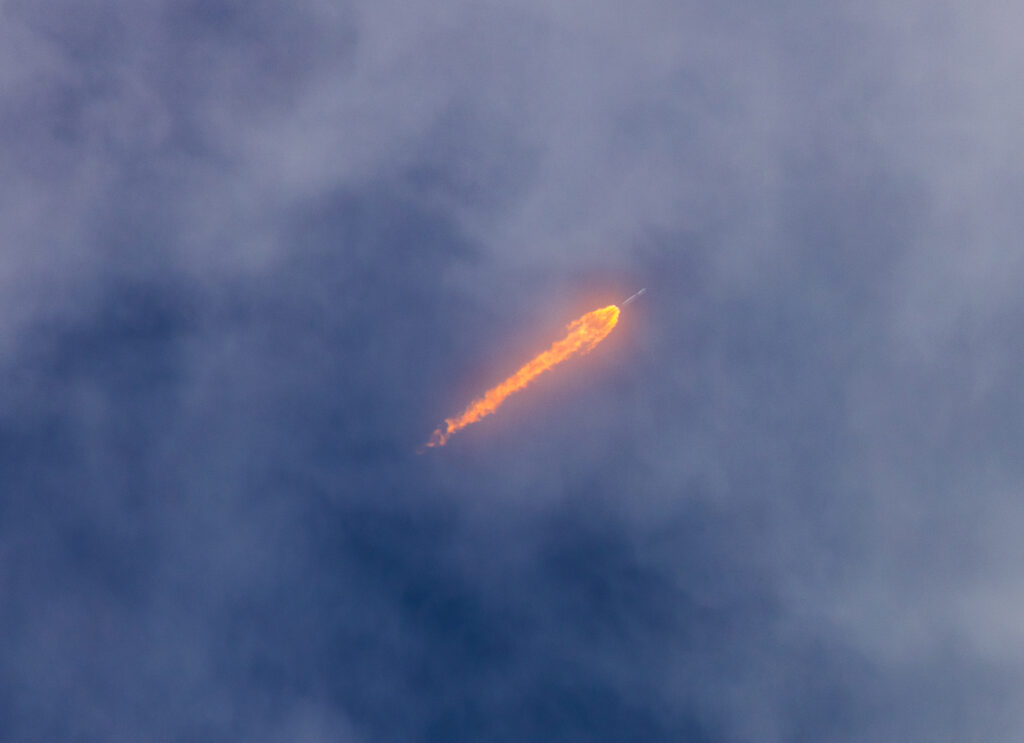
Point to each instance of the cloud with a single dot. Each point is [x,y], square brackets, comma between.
[252,255]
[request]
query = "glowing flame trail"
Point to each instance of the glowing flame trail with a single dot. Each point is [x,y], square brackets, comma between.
[584,334]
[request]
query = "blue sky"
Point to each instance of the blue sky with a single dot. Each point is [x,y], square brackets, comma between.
[252,253]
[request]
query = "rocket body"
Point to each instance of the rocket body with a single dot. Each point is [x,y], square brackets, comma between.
[635,296]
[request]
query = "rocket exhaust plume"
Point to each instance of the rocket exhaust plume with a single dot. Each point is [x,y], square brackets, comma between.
[584,334]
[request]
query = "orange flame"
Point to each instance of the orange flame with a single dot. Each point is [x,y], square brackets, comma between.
[584,334]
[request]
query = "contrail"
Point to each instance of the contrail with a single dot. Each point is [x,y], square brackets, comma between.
[584,334]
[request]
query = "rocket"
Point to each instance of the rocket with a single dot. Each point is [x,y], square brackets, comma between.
[635,296]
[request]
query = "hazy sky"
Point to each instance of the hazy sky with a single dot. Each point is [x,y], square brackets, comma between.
[252,253]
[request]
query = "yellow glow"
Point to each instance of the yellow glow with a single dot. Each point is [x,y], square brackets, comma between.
[584,334]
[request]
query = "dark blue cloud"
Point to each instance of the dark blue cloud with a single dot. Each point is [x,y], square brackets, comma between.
[254,254]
